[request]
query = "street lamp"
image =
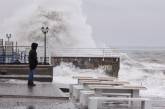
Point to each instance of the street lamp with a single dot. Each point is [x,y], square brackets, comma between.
[8,36]
[45,31]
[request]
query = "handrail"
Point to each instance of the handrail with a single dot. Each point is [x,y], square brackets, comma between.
[86,52]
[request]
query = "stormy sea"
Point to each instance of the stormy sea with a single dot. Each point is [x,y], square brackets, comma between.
[139,66]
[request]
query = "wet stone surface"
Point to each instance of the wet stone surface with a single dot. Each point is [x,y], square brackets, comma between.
[29,103]
[35,103]
[21,89]
[36,97]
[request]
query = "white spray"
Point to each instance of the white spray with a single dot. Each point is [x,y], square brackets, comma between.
[148,74]
[65,19]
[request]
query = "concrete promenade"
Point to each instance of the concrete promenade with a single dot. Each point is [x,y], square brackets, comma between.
[35,103]
[17,95]
[47,90]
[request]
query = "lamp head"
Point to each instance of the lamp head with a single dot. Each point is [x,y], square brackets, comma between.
[44,29]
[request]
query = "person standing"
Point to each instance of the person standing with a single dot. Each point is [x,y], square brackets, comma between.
[33,62]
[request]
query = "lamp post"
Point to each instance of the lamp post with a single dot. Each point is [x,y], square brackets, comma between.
[45,31]
[8,36]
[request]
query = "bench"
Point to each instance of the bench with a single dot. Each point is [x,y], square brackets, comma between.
[98,102]
[84,77]
[93,80]
[133,90]
[86,83]
[75,89]
[128,95]
[101,80]
[88,79]
[109,77]
[81,77]
[84,95]
[117,81]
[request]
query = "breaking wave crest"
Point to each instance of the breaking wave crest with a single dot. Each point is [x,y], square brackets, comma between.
[65,19]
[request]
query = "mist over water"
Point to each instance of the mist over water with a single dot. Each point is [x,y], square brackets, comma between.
[65,19]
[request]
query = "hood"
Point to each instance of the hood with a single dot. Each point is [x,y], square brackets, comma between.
[34,46]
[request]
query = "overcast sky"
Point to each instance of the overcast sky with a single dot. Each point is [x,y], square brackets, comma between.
[115,22]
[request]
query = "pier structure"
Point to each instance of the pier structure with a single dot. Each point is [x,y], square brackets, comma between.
[89,58]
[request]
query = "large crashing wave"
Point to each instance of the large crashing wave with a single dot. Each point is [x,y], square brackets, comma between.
[65,19]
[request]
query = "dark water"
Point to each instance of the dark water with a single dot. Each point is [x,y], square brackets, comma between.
[153,56]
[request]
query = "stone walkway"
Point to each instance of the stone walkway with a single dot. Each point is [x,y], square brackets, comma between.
[40,90]
[18,95]
[35,103]
[32,103]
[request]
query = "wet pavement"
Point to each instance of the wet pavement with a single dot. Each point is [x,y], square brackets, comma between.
[34,103]
[17,95]
[21,89]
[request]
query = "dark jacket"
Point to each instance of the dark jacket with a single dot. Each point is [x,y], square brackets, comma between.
[33,56]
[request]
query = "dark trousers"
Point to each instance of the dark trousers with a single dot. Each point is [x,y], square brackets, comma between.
[31,74]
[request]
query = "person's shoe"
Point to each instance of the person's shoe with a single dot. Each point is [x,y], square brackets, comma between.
[30,83]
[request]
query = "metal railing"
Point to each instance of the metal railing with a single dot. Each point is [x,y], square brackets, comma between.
[86,52]
[19,54]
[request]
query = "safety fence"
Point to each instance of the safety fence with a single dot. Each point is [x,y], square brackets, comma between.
[19,54]
[86,52]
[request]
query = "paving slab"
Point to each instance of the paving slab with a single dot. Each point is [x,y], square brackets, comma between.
[40,90]
[35,103]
